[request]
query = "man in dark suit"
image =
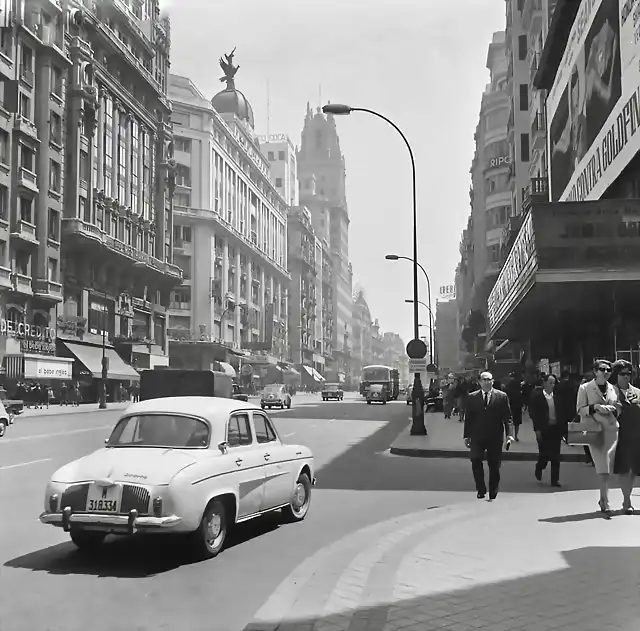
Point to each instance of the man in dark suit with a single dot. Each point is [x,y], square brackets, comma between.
[549,412]
[487,422]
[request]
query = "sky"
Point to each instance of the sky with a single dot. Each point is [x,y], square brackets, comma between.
[421,63]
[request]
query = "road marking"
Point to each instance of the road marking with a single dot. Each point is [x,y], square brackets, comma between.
[53,435]
[289,435]
[24,464]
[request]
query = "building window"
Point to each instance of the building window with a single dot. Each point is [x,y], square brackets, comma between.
[182,199]
[22,260]
[26,63]
[25,107]
[522,47]
[183,144]
[281,155]
[5,144]
[4,202]
[55,129]
[3,253]
[26,158]
[183,175]
[56,81]
[524,97]
[279,182]
[54,224]
[6,42]
[84,166]
[271,156]
[26,209]
[83,210]
[54,176]
[53,270]
[524,147]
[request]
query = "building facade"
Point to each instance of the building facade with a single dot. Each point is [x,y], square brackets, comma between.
[281,154]
[362,335]
[88,214]
[322,175]
[447,337]
[230,238]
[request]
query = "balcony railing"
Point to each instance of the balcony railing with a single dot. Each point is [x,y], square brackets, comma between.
[25,231]
[28,179]
[5,277]
[24,125]
[48,290]
[21,283]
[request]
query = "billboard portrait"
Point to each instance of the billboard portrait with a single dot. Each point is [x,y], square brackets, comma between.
[584,100]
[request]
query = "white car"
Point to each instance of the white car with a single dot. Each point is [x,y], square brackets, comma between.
[195,465]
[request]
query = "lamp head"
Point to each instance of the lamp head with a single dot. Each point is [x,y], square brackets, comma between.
[337,109]
[392,257]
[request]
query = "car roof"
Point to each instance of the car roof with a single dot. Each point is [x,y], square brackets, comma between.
[214,409]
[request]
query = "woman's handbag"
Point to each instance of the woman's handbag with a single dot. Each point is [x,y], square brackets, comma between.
[586,432]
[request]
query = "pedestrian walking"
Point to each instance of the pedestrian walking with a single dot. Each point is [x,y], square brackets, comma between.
[598,401]
[550,427]
[447,400]
[513,390]
[487,421]
[627,459]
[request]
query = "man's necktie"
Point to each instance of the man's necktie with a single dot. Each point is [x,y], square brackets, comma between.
[486,399]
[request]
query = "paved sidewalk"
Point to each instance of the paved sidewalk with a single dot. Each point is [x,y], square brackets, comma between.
[522,562]
[56,410]
[444,440]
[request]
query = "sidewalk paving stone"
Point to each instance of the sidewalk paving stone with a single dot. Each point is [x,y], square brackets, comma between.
[444,440]
[523,562]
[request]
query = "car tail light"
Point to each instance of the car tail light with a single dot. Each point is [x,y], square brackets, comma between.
[157,506]
[53,502]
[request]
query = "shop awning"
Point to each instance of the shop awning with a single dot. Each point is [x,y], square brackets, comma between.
[313,373]
[91,358]
[228,369]
[291,371]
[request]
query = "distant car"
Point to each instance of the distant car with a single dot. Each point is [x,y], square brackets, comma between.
[275,395]
[409,392]
[183,465]
[332,391]
[402,389]
[238,395]
[377,394]
[14,407]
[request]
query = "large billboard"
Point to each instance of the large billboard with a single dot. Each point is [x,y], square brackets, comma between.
[594,104]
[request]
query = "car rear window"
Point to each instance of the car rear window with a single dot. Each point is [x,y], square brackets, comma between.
[160,430]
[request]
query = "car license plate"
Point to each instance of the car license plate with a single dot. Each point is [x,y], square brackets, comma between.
[103,499]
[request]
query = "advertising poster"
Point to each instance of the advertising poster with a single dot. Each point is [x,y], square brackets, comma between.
[593,106]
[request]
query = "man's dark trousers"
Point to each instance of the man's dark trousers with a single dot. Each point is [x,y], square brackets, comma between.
[549,447]
[493,450]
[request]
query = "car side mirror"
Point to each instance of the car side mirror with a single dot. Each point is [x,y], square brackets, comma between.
[223,447]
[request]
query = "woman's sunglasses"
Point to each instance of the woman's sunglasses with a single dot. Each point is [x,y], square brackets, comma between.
[624,374]
[603,369]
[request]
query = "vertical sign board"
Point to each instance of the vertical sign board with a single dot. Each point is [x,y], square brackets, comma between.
[516,277]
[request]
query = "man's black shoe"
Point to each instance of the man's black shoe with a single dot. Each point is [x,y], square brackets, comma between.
[538,474]
[481,495]
[556,485]
[492,496]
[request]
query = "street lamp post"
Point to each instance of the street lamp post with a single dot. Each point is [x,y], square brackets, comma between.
[396,257]
[102,399]
[432,330]
[418,427]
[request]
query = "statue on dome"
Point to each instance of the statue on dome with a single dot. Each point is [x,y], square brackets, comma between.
[226,63]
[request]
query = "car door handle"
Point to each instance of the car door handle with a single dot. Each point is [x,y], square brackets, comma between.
[239,461]
[267,456]
[298,453]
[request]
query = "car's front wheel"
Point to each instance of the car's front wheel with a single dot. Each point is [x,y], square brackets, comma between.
[209,539]
[301,500]
[3,427]
[87,540]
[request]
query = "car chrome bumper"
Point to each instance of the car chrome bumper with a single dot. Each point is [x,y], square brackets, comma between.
[128,523]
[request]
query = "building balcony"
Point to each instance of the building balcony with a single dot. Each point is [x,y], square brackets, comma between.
[180,308]
[86,236]
[539,132]
[25,126]
[47,290]
[141,29]
[533,67]
[28,180]
[5,278]
[25,231]
[21,284]
[532,16]
[536,192]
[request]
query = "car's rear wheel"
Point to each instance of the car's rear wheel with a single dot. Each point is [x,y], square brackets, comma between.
[209,539]
[368,402]
[87,540]
[3,427]
[301,500]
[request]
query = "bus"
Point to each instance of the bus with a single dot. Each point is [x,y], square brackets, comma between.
[385,375]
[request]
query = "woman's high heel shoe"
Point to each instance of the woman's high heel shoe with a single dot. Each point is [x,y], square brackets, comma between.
[604,508]
[627,509]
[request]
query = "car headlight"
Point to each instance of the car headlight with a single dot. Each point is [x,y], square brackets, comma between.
[53,502]
[157,506]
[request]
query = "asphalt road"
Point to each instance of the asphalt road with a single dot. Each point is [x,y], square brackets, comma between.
[136,583]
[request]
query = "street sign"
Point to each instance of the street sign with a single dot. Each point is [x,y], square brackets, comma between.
[416,349]
[418,364]
[432,368]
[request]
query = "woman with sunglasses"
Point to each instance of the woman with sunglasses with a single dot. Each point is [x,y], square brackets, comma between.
[598,401]
[627,460]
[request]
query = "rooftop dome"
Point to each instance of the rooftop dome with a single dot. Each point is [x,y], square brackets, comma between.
[230,100]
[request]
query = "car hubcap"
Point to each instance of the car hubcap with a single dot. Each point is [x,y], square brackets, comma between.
[299,496]
[214,528]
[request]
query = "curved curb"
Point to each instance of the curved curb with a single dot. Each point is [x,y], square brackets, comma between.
[512,456]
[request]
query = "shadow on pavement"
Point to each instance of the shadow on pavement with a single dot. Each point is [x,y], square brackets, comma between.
[542,601]
[138,556]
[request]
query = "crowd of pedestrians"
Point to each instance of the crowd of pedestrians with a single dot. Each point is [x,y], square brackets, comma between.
[600,411]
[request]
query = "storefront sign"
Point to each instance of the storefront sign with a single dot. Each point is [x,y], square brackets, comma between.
[39,347]
[273,138]
[447,292]
[516,276]
[502,161]
[24,330]
[36,368]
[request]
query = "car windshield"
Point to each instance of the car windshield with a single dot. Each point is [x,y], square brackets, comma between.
[331,386]
[160,430]
[376,387]
[375,374]
[272,389]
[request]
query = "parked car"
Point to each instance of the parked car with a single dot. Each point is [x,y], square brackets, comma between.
[238,395]
[14,407]
[184,465]
[275,395]
[377,393]
[332,391]
[6,418]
